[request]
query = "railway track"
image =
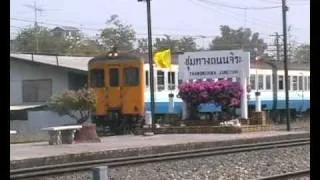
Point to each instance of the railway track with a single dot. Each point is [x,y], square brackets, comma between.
[87,165]
[289,175]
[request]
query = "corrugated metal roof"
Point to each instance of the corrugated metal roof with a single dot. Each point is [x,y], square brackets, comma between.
[78,63]
[81,63]
[25,106]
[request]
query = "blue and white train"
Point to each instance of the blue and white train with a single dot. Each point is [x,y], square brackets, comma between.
[266,78]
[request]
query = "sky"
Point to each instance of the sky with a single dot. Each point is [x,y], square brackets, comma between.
[173,17]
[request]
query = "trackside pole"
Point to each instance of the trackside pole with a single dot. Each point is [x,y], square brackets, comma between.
[244,100]
[100,173]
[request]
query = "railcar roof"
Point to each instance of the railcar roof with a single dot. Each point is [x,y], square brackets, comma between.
[121,56]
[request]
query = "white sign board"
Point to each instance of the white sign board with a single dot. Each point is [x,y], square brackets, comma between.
[216,64]
[213,64]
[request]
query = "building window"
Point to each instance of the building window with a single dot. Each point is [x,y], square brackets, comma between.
[171,80]
[294,83]
[19,115]
[147,78]
[280,82]
[37,90]
[260,82]
[77,81]
[238,79]
[306,83]
[268,82]
[289,83]
[131,76]
[97,78]
[160,80]
[300,83]
[114,77]
[253,81]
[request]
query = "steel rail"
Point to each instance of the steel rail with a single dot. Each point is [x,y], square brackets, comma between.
[289,175]
[113,162]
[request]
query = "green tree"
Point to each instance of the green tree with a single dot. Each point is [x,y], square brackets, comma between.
[85,48]
[187,44]
[241,38]
[39,39]
[302,54]
[120,35]
[143,45]
[75,104]
[183,44]
[165,43]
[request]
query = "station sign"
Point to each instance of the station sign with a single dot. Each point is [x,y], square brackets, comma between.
[213,64]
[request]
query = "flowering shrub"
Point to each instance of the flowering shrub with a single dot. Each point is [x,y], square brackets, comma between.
[223,93]
[69,103]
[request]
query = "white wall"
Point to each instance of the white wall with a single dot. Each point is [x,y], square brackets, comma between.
[20,71]
[38,120]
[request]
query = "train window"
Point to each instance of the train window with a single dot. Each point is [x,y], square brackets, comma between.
[171,80]
[300,83]
[147,78]
[268,82]
[294,83]
[306,83]
[289,83]
[260,82]
[131,76]
[280,82]
[114,77]
[253,81]
[160,80]
[97,78]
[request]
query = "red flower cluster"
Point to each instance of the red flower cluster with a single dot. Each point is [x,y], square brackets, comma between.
[223,93]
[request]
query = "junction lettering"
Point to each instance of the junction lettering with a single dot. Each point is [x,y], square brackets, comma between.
[206,73]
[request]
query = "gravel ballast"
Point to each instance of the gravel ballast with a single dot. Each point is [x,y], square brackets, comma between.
[236,166]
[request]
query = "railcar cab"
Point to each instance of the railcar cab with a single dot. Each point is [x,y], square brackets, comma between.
[119,83]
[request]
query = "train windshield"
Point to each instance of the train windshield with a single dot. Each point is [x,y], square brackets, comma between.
[97,78]
[131,76]
[114,77]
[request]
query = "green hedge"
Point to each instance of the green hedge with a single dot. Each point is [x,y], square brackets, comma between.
[194,130]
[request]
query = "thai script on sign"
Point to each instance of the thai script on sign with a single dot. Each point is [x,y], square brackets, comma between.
[213,60]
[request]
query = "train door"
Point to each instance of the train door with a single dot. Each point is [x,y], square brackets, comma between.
[113,87]
[97,81]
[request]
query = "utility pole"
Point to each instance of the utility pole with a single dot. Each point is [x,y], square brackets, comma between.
[284,28]
[36,9]
[150,62]
[277,44]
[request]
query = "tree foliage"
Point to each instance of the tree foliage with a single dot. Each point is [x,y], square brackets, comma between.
[302,54]
[27,40]
[120,35]
[242,38]
[143,45]
[89,48]
[75,104]
[183,44]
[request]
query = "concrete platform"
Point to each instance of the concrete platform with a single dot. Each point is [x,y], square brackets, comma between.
[120,146]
